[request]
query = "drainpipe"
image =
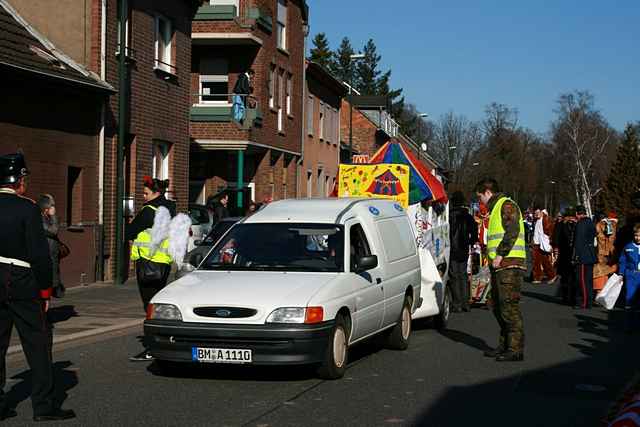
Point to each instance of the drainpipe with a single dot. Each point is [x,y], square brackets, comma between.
[303,117]
[122,123]
[103,77]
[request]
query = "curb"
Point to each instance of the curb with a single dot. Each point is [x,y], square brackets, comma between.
[71,337]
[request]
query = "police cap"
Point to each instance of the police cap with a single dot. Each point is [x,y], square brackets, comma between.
[12,168]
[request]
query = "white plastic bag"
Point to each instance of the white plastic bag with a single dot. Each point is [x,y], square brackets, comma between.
[611,291]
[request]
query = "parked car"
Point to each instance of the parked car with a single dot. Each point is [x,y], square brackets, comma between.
[279,288]
[201,223]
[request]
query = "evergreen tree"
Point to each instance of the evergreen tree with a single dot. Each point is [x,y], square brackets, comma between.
[320,53]
[368,80]
[624,177]
[341,65]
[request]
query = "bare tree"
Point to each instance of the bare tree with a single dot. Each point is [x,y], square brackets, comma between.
[454,144]
[582,135]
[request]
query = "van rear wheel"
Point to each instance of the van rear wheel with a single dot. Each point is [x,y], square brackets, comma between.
[442,319]
[398,338]
[334,364]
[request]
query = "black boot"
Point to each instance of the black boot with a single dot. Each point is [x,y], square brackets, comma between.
[7,413]
[55,415]
[510,356]
[494,352]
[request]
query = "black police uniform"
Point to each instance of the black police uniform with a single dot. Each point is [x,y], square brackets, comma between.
[25,280]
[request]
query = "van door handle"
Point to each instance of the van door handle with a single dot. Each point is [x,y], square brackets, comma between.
[378,280]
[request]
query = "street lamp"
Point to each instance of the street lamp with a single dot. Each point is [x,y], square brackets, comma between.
[353,57]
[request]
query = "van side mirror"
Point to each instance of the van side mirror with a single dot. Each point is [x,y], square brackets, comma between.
[366,263]
[195,259]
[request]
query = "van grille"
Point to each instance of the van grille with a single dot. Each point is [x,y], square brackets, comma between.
[225,312]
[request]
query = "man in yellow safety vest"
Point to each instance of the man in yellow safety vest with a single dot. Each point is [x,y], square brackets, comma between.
[506,250]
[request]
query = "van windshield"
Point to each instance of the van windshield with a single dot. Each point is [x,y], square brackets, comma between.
[279,247]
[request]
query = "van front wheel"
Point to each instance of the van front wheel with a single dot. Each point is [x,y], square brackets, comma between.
[398,338]
[335,358]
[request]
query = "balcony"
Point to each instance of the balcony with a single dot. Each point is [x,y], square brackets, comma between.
[219,108]
[242,33]
[216,13]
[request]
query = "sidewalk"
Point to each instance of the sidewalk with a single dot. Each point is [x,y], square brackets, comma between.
[91,310]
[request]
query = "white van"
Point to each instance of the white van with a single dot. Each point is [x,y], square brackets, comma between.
[298,282]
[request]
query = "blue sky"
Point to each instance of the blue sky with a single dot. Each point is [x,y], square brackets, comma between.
[460,55]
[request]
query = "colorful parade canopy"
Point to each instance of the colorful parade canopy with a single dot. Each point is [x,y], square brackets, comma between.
[423,184]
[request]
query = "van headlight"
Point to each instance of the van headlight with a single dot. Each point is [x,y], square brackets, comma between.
[163,312]
[296,315]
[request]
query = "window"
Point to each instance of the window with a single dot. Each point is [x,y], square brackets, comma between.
[214,81]
[160,161]
[327,189]
[310,115]
[74,195]
[358,245]
[289,90]
[262,247]
[282,25]
[321,121]
[272,86]
[309,184]
[328,123]
[320,183]
[280,101]
[164,35]
[336,128]
[127,36]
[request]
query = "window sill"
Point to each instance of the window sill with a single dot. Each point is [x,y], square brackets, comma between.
[273,110]
[281,132]
[291,117]
[129,58]
[284,51]
[167,75]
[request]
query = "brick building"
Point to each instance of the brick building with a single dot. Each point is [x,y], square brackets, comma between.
[158,51]
[51,110]
[371,126]
[321,149]
[258,154]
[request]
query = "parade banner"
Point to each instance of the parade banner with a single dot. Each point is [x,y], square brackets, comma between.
[386,181]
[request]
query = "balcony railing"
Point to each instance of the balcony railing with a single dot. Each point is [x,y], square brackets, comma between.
[218,107]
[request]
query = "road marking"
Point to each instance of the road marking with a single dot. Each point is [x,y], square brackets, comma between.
[88,333]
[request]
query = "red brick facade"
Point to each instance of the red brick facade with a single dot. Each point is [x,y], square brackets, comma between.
[270,155]
[158,106]
[57,126]
[321,160]
[367,138]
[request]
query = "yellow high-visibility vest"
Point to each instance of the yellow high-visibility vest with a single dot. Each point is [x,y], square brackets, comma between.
[496,233]
[141,247]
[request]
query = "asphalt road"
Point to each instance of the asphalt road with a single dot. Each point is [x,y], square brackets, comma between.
[576,363]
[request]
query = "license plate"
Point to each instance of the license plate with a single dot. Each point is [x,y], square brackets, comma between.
[221,355]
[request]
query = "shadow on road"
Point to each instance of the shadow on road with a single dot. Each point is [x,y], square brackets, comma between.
[232,373]
[543,297]
[62,313]
[464,338]
[576,393]
[65,380]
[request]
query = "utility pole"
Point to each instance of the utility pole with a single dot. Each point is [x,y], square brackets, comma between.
[352,58]
[122,134]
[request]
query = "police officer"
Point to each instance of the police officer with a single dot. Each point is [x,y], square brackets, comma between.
[507,254]
[25,288]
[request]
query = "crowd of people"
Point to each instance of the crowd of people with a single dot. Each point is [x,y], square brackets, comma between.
[573,251]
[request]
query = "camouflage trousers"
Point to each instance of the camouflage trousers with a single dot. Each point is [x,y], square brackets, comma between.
[505,292]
